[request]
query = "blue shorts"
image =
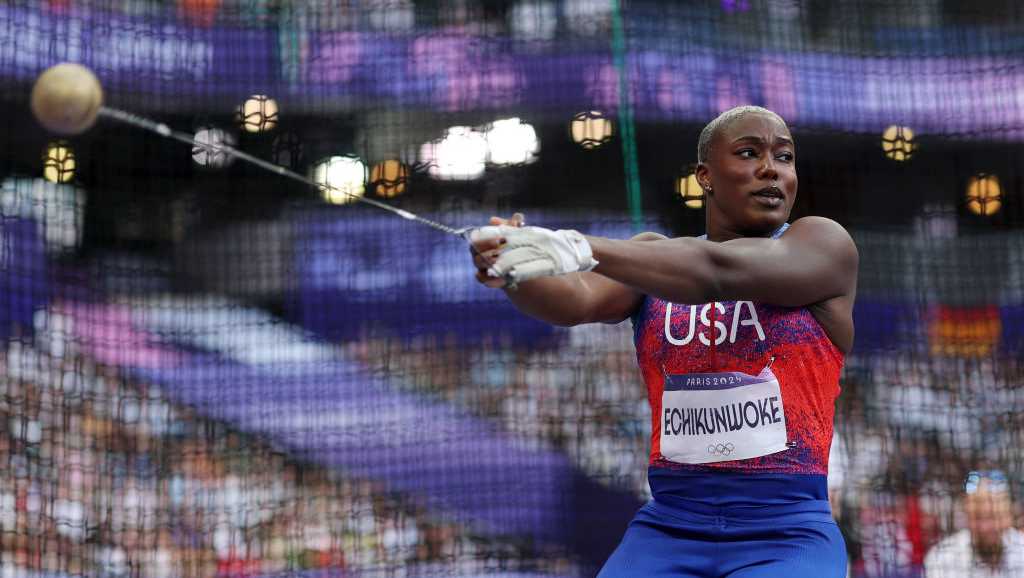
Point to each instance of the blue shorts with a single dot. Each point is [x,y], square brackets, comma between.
[678,538]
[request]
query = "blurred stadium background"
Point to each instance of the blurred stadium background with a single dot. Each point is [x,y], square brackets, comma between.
[211,371]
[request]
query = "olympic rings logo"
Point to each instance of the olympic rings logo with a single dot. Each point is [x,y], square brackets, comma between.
[721,449]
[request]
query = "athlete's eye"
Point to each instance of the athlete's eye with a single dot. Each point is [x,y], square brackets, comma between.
[747,153]
[786,157]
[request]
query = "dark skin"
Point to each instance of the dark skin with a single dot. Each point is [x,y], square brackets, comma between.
[813,265]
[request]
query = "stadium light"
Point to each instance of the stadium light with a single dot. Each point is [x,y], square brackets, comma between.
[690,190]
[341,178]
[590,129]
[512,142]
[206,152]
[258,114]
[984,194]
[460,155]
[898,143]
[59,162]
[389,178]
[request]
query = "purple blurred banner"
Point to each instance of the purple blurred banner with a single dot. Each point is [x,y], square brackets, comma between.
[452,73]
[971,96]
[24,277]
[365,270]
[139,56]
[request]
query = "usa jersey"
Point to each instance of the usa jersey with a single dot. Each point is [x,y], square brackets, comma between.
[742,398]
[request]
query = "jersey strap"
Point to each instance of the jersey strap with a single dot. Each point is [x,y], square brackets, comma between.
[775,234]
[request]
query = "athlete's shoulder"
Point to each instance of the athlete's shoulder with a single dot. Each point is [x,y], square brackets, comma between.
[819,225]
[824,233]
[648,236]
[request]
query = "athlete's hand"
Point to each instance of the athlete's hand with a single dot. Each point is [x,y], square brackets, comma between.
[487,243]
[531,252]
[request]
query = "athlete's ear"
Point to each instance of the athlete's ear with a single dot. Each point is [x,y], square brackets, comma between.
[704,178]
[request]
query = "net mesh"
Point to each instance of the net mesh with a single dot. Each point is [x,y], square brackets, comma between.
[209,370]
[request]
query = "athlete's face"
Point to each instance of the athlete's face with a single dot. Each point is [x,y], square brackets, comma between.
[751,170]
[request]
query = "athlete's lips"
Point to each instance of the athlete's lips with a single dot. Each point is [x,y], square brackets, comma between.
[771,192]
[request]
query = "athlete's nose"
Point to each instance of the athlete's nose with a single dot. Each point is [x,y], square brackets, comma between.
[767,170]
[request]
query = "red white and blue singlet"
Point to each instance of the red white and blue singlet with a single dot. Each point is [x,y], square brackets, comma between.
[742,398]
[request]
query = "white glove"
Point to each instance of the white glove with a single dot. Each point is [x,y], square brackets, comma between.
[490,232]
[531,252]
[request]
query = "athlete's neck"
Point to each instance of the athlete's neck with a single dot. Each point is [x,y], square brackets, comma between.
[721,235]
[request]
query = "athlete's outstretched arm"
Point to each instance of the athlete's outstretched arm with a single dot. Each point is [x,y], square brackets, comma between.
[814,261]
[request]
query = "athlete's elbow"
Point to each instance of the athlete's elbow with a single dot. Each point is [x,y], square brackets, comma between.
[566,319]
[566,322]
[582,312]
[557,316]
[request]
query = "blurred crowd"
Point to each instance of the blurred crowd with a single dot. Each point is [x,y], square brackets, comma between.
[105,477]
[911,428]
[583,398]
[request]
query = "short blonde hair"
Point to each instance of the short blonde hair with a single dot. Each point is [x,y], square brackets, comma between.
[722,121]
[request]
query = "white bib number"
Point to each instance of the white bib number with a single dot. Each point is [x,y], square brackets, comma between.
[718,417]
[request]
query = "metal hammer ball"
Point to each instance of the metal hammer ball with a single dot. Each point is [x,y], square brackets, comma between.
[66,98]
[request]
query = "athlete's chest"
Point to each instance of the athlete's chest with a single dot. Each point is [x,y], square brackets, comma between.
[743,328]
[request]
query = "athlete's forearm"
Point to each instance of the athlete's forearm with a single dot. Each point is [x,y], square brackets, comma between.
[556,300]
[677,270]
